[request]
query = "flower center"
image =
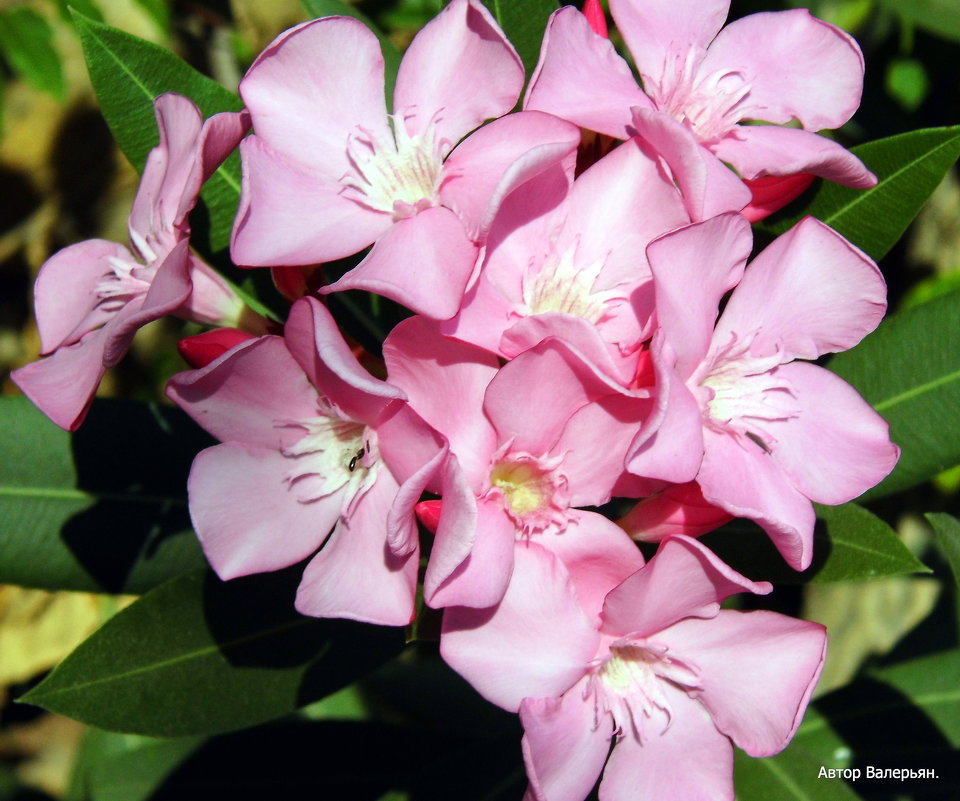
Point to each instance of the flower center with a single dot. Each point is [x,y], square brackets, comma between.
[333,453]
[744,391]
[710,105]
[534,493]
[563,287]
[125,281]
[630,685]
[399,174]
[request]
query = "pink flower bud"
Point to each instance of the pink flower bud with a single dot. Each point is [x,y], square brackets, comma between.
[198,351]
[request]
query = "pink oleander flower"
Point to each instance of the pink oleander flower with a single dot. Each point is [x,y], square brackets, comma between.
[328,172]
[311,443]
[762,433]
[529,443]
[574,255]
[653,668]
[92,297]
[773,67]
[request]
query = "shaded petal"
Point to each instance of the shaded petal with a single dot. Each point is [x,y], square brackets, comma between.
[759,150]
[492,162]
[402,534]
[594,443]
[291,214]
[563,747]
[679,509]
[757,671]
[247,519]
[838,447]
[244,394]
[810,292]
[314,85]
[407,443]
[690,760]
[598,554]
[710,257]
[65,293]
[683,579]
[455,528]
[707,186]
[660,33]
[318,346]
[479,580]
[419,361]
[536,642]
[738,476]
[797,67]
[219,137]
[63,384]
[532,397]
[462,66]
[422,262]
[355,576]
[581,78]
[172,173]
[669,446]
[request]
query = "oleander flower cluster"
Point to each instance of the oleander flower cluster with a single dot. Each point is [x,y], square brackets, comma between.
[585,324]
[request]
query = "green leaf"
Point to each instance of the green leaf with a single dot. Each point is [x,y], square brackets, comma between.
[849,543]
[941,17]
[391,55]
[788,776]
[909,371]
[200,656]
[128,73]
[947,529]
[127,767]
[524,24]
[26,41]
[101,510]
[907,82]
[908,168]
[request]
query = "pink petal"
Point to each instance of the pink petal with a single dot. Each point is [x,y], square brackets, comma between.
[479,580]
[757,671]
[65,293]
[684,579]
[492,162]
[709,256]
[314,85]
[355,576]
[536,642]
[759,150]
[581,337]
[63,384]
[739,476]
[531,398]
[172,173]
[278,196]
[456,530]
[797,67]
[598,554]
[247,394]
[594,443]
[660,33]
[422,262]
[669,445]
[318,346]
[564,748]
[838,447]
[581,78]
[461,65]
[419,361]
[402,534]
[810,292]
[691,760]
[407,443]
[707,186]
[247,519]
[219,137]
